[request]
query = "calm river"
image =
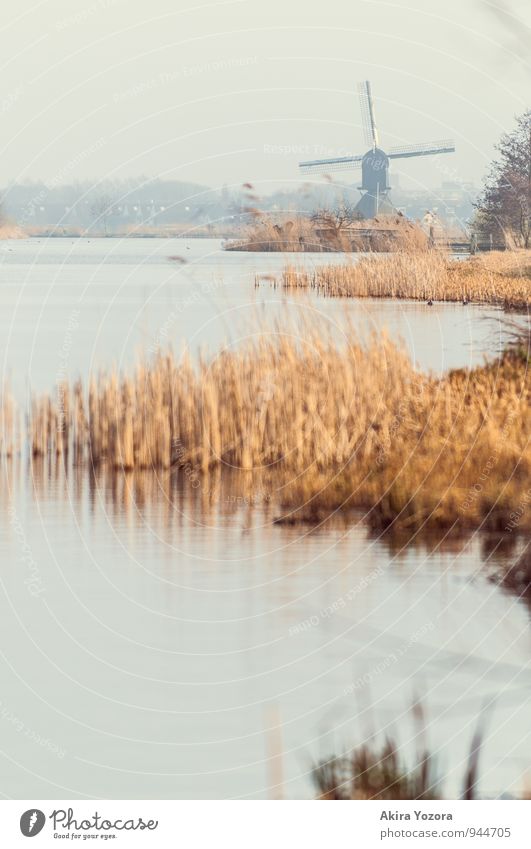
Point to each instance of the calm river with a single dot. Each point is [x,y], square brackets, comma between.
[155,646]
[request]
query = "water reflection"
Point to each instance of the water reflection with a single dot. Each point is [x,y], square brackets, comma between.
[180,634]
[164,638]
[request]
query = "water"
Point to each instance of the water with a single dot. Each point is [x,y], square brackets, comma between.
[160,644]
[69,305]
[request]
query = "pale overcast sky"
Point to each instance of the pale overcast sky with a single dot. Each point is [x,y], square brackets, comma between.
[239,90]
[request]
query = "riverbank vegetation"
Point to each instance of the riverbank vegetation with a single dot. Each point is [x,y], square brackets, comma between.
[266,234]
[333,427]
[331,230]
[499,277]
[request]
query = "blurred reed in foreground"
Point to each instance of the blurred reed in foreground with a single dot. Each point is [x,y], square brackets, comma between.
[381,772]
[373,772]
[10,425]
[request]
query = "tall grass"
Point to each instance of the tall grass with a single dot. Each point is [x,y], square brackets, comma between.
[339,426]
[497,278]
[299,234]
[265,234]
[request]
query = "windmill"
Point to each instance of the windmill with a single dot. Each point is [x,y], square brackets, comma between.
[375,163]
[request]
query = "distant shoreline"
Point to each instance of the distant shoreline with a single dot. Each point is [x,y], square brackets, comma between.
[119,236]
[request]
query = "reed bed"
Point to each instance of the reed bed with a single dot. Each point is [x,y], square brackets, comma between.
[501,278]
[271,403]
[453,453]
[385,234]
[336,427]
[300,234]
[267,235]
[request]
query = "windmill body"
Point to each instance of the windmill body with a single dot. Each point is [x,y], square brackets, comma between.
[375,162]
[374,184]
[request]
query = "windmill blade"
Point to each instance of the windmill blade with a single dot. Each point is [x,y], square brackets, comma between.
[321,166]
[426,149]
[370,130]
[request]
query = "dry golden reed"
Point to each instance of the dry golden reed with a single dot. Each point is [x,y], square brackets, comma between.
[265,234]
[502,278]
[299,234]
[340,426]
[457,453]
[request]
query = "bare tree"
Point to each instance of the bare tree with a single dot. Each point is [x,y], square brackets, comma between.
[504,208]
[101,208]
[332,224]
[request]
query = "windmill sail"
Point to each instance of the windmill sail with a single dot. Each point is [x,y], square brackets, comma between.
[320,166]
[370,130]
[426,149]
[375,162]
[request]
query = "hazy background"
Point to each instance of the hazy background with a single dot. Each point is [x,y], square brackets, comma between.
[207,92]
